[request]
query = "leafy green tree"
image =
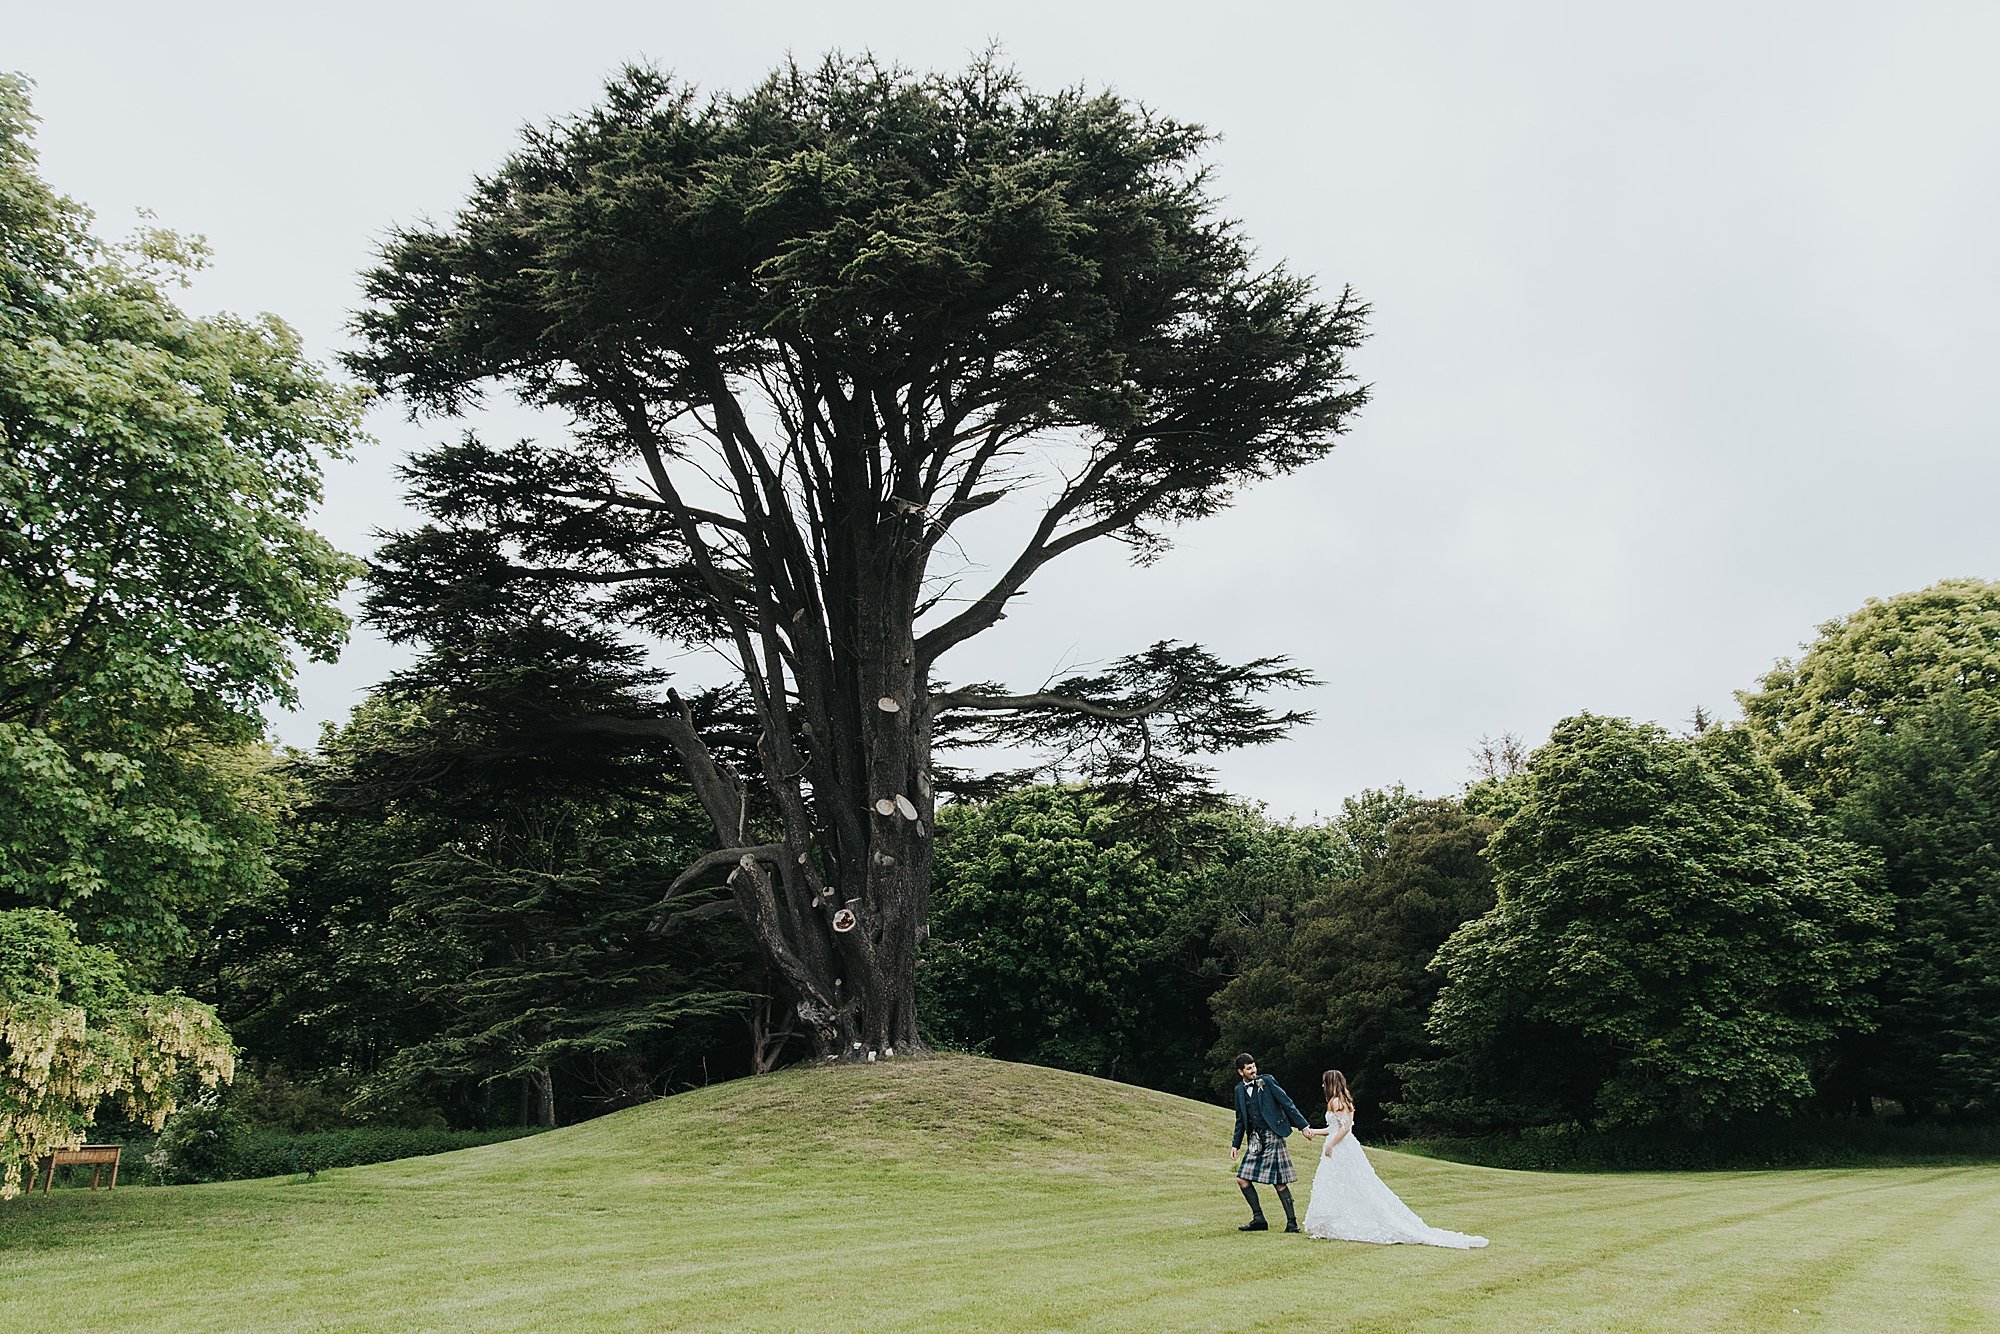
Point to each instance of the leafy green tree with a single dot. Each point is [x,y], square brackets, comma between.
[1868,672]
[1260,873]
[1244,874]
[1044,928]
[1676,940]
[1889,722]
[807,333]
[1927,797]
[74,1032]
[156,570]
[1257,889]
[1181,896]
[1348,985]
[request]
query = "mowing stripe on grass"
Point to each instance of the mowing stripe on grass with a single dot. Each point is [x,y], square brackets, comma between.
[967,1194]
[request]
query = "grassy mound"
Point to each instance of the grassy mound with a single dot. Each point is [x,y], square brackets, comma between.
[965,1194]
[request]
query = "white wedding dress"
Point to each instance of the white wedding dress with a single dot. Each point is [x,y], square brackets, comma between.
[1350,1203]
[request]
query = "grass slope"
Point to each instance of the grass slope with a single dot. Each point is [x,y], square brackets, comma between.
[959,1193]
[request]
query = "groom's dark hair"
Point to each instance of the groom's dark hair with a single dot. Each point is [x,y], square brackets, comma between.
[1244,1058]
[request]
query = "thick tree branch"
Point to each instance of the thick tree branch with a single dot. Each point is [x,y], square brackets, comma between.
[1043,547]
[702,870]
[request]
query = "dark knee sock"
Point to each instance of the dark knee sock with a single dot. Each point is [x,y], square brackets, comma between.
[1285,1198]
[1250,1194]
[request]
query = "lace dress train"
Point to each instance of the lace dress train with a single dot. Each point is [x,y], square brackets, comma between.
[1350,1203]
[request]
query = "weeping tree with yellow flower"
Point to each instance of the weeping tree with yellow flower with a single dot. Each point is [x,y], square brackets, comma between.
[74,1034]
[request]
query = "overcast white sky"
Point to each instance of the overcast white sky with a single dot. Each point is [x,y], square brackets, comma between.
[1685,325]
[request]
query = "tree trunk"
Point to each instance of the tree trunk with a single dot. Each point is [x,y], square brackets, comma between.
[538,1099]
[897,869]
[771,1030]
[837,901]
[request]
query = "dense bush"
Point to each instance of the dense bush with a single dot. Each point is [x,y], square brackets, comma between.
[215,1147]
[198,1143]
[266,1097]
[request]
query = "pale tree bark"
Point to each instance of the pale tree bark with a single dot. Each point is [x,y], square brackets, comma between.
[538,1098]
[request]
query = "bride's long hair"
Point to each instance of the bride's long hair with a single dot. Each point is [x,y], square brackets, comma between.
[1334,1085]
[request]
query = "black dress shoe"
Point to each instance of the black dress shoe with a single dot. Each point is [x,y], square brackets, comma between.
[1255,1225]
[1293,1227]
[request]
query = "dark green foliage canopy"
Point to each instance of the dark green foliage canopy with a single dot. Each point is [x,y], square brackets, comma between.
[1677,939]
[986,253]
[1347,985]
[1927,797]
[470,896]
[1045,925]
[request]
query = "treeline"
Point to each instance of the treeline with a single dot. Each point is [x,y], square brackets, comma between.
[1629,927]
[468,926]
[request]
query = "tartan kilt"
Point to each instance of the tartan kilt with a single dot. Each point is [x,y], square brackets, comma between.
[1266,1160]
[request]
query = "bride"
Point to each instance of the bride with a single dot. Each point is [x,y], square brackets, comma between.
[1349,1202]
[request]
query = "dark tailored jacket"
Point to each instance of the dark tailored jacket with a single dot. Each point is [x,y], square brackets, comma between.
[1265,1106]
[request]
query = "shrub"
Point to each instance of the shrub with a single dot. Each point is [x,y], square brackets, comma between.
[75,1035]
[236,1154]
[198,1143]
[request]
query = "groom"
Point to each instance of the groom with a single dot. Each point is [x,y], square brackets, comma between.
[1266,1115]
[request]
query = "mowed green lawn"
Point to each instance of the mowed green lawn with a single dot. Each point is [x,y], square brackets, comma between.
[958,1193]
